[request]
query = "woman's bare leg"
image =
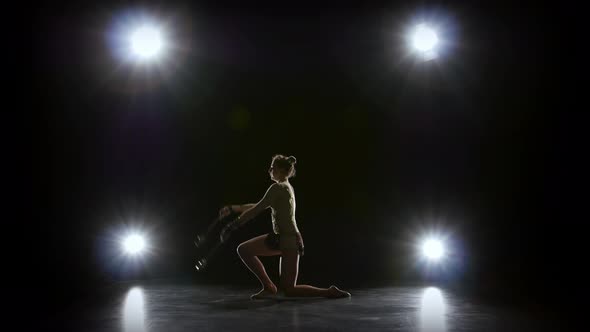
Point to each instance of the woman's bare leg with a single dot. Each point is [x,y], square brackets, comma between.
[289,270]
[248,252]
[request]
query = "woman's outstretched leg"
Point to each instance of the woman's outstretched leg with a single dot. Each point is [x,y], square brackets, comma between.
[248,252]
[289,270]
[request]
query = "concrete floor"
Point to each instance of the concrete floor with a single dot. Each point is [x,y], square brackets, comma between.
[191,307]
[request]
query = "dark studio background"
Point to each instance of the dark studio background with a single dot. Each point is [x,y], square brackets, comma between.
[471,144]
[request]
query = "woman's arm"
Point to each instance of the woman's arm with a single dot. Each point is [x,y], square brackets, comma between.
[229,209]
[249,213]
[252,211]
[242,208]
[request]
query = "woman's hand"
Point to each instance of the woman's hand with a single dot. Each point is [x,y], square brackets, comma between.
[228,229]
[224,234]
[225,211]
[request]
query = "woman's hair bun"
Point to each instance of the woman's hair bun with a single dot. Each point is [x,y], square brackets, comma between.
[292,160]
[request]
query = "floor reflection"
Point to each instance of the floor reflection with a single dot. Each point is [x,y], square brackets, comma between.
[296,322]
[134,311]
[188,307]
[432,311]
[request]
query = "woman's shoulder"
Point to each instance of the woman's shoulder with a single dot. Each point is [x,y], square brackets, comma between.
[275,187]
[280,186]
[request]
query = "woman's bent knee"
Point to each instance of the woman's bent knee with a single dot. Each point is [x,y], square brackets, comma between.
[242,250]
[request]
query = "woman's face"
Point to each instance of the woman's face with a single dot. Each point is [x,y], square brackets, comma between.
[275,173]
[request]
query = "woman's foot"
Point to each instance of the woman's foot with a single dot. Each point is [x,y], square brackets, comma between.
[265,293]
[335,293]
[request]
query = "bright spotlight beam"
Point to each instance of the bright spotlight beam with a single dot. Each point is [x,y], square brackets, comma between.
[133,244]
[146,42]
[433,249]
[141,39]
[424,38]
[424,41]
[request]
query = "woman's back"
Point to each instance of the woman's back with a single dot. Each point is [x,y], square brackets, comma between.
[283,209]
